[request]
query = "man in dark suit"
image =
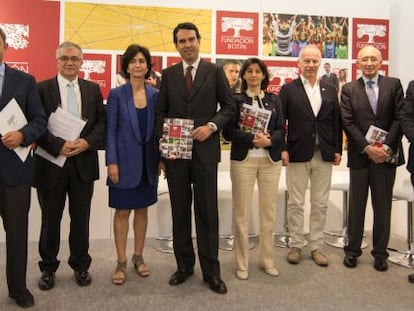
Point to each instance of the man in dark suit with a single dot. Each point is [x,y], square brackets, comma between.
[314,143]
[76,177]
[198,102]
[330,77]
[372,100]
[406,116]
[15,174]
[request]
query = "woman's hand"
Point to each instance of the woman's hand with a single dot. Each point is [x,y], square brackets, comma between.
[113,173]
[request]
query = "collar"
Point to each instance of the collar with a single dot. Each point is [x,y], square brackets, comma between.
[251,94]
[195,64]
[2,69]
[375,79]
[306,82]
[63,81]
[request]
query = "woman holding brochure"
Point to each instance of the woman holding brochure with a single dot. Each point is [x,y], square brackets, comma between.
[257,135]
[132,157]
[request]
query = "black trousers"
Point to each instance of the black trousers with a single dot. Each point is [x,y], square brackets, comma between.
[52,203]
[185,178]
[14,210]
[379,178]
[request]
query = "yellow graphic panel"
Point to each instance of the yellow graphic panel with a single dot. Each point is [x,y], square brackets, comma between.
[114,27]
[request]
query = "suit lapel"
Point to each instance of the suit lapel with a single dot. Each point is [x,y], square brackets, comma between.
[55,95]
[302,94]
[150,113]
[8,85]
[130,108]
[362,94]
[198,79]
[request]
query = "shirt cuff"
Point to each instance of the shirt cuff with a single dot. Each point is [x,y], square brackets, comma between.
[212,126]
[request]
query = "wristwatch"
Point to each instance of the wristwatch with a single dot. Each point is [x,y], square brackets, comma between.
[212,126]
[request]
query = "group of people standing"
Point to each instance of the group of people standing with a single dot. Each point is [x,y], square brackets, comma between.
[303,132]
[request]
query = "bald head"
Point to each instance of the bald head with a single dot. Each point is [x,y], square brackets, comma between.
[369,61]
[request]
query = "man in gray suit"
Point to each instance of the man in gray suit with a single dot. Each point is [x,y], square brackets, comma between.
[372,100]
[197,99]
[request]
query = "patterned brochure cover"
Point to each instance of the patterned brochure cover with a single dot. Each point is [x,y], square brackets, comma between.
[254,120]
[176,142]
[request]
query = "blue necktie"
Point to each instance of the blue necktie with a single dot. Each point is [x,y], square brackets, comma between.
[72,101]
[372,96]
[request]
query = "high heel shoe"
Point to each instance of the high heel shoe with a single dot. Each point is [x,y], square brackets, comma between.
[119,276]
[140,266]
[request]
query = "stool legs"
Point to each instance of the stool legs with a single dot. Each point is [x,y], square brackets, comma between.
[341,236]
[405,258]
[282,239]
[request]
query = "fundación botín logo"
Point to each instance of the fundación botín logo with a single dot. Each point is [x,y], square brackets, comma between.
[237,33]
[17,37]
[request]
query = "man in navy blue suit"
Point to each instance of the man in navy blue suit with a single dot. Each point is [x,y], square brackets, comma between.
[16,175]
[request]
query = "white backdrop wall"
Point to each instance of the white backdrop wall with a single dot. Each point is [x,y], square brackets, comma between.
[398,12]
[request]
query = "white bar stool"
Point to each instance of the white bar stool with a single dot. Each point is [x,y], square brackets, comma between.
[282,239]
[405,192]
[164,242]
[225,201]
[340,182]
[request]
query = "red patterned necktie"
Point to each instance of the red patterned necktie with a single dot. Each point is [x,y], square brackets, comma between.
[189,78]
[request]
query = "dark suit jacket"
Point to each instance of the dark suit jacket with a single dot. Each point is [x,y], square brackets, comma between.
[22,87]
[93,132]
[200,105]
[124,145]
[332,79]
[242,142]
[303,126]
[357,116]
[406,116]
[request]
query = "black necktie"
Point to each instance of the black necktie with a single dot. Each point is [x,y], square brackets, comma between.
[189,78]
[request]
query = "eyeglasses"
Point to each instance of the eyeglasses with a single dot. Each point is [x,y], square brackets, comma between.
[73,59]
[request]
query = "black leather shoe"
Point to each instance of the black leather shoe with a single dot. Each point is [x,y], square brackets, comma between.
[83,278]
[25,300]
[380,264]
[180,276]
[411,278]
[47,280]
[216,284]
[350,261]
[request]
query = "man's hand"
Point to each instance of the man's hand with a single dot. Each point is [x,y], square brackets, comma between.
[285,158]
[337,159]
[73,148]
[201,133]
[377,154]
[12,139]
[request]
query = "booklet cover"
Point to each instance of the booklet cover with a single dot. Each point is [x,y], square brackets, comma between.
[376,137]
[254,120]
[176,142]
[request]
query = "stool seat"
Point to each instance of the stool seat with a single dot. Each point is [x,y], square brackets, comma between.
[405,192]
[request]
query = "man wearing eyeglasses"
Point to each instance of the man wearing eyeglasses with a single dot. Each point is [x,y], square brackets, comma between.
[76,178]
